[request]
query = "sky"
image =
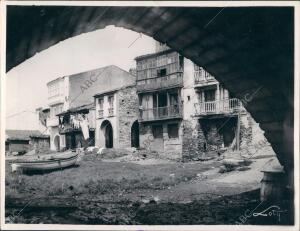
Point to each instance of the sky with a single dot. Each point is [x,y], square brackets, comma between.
[26,87]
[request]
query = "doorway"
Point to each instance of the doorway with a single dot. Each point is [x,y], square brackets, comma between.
[107,134]
[135,135]
[57,142]
[158,142]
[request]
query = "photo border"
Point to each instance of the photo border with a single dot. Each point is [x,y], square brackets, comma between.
[294,4]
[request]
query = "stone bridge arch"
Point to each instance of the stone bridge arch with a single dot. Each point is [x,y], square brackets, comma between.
[249,50]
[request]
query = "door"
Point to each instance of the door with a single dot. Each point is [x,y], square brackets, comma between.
[160,102]
[174,105]
[210,103]
[108,136]
[135,136]
[57,143]
[158,141]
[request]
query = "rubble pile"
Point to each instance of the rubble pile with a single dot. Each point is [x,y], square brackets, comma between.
[229,165]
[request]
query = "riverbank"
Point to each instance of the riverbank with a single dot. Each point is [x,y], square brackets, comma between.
[150,191]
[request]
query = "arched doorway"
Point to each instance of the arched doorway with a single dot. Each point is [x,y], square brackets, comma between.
[135,135]
[107,134]
[57,142]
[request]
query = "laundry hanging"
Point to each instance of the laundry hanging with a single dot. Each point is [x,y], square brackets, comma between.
[85,129]
[83,123]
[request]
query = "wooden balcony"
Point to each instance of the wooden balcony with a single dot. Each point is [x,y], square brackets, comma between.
[218,107]
[68,127]
[202,78]
[161,113]
[165,82]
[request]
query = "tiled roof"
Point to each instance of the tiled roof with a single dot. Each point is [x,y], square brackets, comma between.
[86,107]
[153,54]
[23,134]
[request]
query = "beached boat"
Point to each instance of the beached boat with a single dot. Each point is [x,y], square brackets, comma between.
[50,163]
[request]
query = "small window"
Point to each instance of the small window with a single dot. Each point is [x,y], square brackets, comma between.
[173,130]
[100,102]
[157,131]
[161,72]
[111,101]
[181,62]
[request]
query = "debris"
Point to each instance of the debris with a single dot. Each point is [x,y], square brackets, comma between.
[243,168]
[145,201]
[100,151]
[30,153]
[156,199]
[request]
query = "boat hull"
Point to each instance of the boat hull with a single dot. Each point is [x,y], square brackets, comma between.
[51,164]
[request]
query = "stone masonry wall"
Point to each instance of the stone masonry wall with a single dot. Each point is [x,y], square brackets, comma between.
[172,147]
[40,145]
[191,140]
[127,114]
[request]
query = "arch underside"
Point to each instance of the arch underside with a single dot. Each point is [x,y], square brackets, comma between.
[248,49]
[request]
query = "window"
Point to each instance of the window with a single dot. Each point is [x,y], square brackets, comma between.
[100,102]
[161,72]
[53,89]
[173,130]
[210,95]
[157,131]
[181,62]
[56,110]
[173,98]
[111,101]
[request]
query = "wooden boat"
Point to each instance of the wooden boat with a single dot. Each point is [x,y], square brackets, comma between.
[50,163]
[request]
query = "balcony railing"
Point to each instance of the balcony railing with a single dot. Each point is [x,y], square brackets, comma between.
[100,113]
[111,111]
[202,77]
[161,113]
[67,127]
[164,82]
[218,107]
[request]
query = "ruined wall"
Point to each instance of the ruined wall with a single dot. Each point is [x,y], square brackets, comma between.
[127,114]
[171,147]
[192,140]
[20,146]
[39,144]
[213,130]
[246,125]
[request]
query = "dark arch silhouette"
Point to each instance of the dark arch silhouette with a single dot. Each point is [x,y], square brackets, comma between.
[250,50]
[135,134]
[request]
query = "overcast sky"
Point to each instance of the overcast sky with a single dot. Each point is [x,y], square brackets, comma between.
[26,84]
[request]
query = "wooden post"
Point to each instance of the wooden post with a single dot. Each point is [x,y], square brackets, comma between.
[238,133]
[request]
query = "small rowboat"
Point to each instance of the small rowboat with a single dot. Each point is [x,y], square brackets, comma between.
[51,163]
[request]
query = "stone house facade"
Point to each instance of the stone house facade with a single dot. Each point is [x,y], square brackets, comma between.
[184,113]
[22,141]
[70,126]
[70,92]
[116,118]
